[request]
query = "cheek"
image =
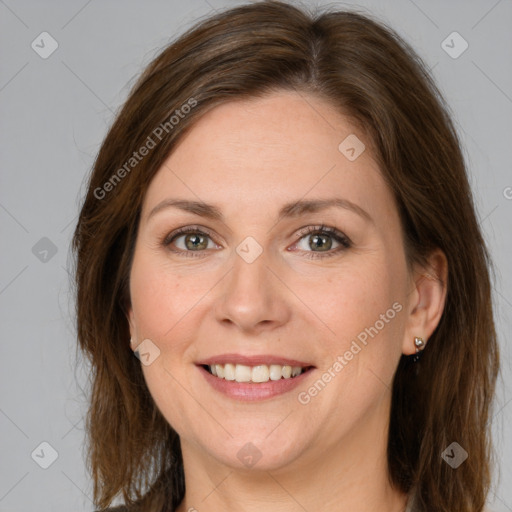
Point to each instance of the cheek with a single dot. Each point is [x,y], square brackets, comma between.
[364,312]
[161,300]
[352,301]
[159,305]
[364,309]
[161,297]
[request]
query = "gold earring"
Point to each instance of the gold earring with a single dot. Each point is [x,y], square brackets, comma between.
[419,343]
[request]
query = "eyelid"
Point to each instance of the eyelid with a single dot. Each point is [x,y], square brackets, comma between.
[323,228]
[339,236]
[191,228]
[342,239]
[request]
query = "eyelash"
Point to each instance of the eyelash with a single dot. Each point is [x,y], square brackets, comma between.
[339,237]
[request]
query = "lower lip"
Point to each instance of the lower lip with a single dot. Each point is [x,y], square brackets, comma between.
[252,391]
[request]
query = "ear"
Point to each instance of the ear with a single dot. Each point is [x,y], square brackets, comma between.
[426,300]
[133,329]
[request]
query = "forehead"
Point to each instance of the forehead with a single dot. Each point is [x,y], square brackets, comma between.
[263,152]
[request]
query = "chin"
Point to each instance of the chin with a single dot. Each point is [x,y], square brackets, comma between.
[261,455]
[258,446]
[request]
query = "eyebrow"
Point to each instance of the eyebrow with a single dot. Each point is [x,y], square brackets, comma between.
[289,210]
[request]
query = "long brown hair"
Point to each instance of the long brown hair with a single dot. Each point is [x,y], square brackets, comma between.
[367,72]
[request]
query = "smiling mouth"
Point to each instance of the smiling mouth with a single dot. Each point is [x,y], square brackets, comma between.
[255,374]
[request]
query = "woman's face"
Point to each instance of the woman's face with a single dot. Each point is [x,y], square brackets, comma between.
[294,259]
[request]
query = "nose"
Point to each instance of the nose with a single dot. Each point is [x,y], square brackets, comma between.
[253,298]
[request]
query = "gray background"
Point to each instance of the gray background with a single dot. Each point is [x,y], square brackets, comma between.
[54,113]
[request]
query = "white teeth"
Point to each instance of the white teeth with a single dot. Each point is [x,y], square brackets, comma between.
[260,373]
[229,371]
[243,373]
[219,370]
[275,371]
[296,370]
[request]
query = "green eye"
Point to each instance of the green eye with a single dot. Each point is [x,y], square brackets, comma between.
[320,239]
[315,241]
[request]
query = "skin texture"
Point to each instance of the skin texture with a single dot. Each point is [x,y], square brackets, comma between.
[249,158]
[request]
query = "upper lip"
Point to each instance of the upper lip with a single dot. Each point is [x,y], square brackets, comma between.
[254,360]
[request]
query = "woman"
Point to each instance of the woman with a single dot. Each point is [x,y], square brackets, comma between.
[279,226]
